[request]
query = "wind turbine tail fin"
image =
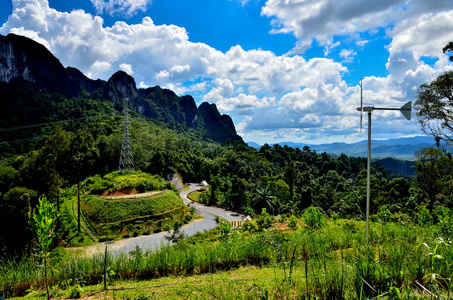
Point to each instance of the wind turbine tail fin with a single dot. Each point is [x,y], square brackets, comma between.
[406,110]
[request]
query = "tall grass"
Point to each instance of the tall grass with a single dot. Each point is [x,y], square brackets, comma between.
[334,262]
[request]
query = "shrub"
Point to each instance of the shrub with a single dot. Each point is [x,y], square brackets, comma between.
[264,220]
[225,230]
[335,217]
[441,213]
[144,186]
[444,226]
[401,218]
[250,226]
[293,223]
[424,217]
[384,214]
[313,218]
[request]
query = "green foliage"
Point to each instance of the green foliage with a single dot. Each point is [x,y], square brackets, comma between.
[176,235]
[42,223]
[434,172]
[76,292]
[339,265]
[335,217]
[424,217]
[225,230]
[9,177]
[314,218]
[293,222]
[14,207]
[444,223]
[264,199]
[264,220]
[101,210]
[434,101]
[130,216]
[138,181]
[384,214]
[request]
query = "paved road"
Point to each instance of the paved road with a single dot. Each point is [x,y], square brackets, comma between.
[148,242]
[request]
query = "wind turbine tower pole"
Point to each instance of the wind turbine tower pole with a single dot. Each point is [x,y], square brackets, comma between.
[406,111]
[368,178]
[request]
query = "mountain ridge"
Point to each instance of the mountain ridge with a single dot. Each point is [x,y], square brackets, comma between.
[24,62]
[401,148]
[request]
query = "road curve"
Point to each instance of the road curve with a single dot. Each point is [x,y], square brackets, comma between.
[153,241]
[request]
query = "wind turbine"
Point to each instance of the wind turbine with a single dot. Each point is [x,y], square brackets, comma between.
[406,111]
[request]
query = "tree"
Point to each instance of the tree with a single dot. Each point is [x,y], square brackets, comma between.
[80,161]
[15,206]
[433,174]
[264,199]
[42,222]
[434,105]
[214,186]
[282,191]
[289,177]
[176,235]
[448,48]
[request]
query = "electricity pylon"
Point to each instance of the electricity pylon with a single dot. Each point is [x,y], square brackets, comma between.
[126,159]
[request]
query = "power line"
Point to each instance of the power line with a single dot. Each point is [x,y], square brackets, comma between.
[23,141]
[21,111]
[49,123]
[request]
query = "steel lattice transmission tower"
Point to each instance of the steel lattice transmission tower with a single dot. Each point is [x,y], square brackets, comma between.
[126,160]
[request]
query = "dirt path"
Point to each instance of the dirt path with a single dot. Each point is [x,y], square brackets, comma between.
[133,196]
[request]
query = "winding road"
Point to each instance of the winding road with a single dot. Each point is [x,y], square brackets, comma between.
[153,241]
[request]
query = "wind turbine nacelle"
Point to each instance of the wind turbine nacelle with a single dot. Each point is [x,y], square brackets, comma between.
[365,108]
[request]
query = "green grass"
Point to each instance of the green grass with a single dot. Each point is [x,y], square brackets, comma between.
[195,196]
[333,262]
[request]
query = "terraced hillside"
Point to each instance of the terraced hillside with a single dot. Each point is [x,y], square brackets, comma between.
[109,215]
[121,205]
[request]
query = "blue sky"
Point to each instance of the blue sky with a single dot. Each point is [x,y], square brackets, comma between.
[284,70]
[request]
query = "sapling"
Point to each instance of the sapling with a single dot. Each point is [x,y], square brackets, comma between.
[42,223]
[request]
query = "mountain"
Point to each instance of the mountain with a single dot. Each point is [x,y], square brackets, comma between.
[254,145]
[402,148]
[29,73]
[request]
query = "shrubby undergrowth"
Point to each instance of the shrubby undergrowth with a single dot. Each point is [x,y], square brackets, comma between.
[330,262]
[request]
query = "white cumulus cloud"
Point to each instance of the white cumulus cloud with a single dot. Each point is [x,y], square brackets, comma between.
[125,8]
[127,68]
[268,93]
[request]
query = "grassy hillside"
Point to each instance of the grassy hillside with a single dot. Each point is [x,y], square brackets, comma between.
[135,215]
[119,205]
[118,183]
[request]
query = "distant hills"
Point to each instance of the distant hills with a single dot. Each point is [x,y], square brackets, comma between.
[31,75]
[402,148]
